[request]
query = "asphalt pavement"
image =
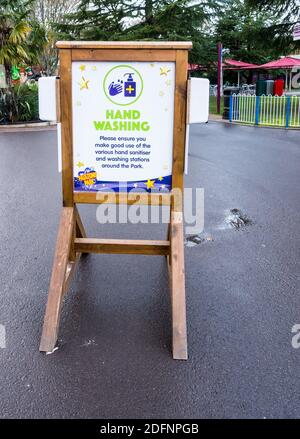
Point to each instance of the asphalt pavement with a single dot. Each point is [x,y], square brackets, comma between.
[114,357]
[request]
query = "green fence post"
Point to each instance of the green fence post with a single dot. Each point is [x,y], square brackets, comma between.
[288,111]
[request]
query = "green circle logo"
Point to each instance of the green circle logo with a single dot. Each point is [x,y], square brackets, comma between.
[123,85]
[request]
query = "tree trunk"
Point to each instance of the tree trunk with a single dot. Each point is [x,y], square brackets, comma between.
[11,107]
[8,75]
[149,11]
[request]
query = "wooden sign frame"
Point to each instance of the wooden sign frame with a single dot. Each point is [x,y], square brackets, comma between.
[72,240]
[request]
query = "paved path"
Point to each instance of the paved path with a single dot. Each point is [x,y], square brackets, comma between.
[114,356]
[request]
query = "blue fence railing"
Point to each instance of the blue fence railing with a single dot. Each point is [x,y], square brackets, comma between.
[279,111]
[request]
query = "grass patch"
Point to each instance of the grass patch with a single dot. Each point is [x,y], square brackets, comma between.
[213,105]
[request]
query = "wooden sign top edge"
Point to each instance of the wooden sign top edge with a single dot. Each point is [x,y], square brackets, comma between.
[124,44]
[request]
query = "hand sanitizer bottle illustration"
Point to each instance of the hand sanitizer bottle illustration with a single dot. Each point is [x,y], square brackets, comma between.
[129,86]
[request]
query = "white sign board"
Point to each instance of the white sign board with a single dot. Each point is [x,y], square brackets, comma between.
[198,100]
[198,109]
[47,98]
[123,125]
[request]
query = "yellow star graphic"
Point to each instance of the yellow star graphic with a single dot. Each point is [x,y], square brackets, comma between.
[84,83]
[94,68]
[164,71]
[160,178]
[151,65]
[80,164]
[150,184]
[161,93]
[82,67]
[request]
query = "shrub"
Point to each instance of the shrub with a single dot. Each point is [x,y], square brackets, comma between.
[20,104]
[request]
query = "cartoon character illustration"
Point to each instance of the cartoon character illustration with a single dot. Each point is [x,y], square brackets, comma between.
[88,177]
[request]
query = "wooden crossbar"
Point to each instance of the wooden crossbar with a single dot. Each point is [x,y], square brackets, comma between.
[123,198]
[122,246]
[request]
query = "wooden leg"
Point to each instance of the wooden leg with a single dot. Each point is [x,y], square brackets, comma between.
[72,242]
[61,271]
[79,227]
[80,232]
[168,239]
[177,283]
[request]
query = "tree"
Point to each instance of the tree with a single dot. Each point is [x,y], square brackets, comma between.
[20,43]
[287,13]
[14,32]
[49,13]
[289,10]
[251,34]
[142,20]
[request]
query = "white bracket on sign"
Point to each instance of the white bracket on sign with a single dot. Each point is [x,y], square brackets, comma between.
[49,107]
[197,108]
[49,98]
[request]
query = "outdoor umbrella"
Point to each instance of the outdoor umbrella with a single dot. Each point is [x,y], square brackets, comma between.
[287,63]
[232,64]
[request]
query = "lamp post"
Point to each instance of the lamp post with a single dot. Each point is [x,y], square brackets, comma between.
[219,77]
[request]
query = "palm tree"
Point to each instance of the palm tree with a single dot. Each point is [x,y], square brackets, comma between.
[14,30]
[16,47]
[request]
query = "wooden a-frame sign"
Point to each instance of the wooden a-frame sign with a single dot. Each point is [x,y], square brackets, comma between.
[72,241]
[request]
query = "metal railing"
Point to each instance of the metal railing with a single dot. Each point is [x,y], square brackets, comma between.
[277,111]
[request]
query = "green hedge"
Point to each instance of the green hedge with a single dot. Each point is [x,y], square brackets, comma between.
[19,104]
